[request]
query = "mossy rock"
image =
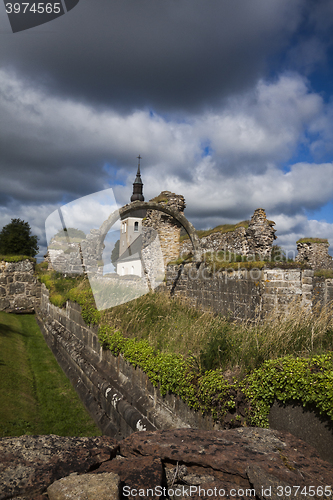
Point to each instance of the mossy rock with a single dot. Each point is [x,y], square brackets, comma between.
[312,240]
[222,228]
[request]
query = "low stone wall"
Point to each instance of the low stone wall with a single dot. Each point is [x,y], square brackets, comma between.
[19,288]
[240,293]
[315,254]
[119,397]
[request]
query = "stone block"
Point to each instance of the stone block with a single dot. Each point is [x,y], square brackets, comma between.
[16,288]
[136,473]
[4,304]
[25,277]
[275,284]
[307,288]
[86,487]
[307,297]
[307,281]
[308,273]
[2,291]
[273,274]
[293,275]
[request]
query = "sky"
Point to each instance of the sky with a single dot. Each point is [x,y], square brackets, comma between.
[228,102]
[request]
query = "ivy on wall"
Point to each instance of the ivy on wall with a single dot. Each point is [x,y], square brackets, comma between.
[172,373]
[309,380]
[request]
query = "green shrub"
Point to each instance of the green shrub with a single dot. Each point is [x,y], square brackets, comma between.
[312,240]
[218,351]
[324,273]
[290,379]
[16,258]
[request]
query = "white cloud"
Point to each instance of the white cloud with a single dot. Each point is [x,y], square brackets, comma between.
[58,146]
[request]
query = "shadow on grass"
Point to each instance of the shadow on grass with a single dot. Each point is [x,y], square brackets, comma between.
[7,331]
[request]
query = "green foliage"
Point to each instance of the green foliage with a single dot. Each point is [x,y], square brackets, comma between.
[155,333]
[312,240]
[16,258]
[208,392]
[308,380]
[278,254]
[324,273]
[36,396]
[290,379]
[16,239]
[76,289]
[215,394]
[222,228]
[218,351]
[161,198]
[181,260]
[115,253]
[229,261]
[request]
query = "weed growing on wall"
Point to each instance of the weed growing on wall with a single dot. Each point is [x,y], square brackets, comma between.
[173,373]
[74,288]
[309,381]
[16,258]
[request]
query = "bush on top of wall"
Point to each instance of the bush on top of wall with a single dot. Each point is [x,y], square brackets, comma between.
[309,380]
[16,258]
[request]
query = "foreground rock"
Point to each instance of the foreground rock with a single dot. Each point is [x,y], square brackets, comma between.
[184,463]
[29,464]
[242,460]
[85,487]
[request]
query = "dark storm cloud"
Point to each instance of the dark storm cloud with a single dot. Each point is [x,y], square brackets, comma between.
[215,95]
[168,55]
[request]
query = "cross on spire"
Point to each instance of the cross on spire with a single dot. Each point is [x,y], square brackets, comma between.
[139,158]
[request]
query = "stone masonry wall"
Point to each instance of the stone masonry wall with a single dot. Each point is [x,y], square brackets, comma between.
[322,291]
[240,293]
[167,227]
[256,239]
[315,254]
[19,288]
[119,397]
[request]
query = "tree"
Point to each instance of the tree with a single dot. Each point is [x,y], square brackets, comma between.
[16,239]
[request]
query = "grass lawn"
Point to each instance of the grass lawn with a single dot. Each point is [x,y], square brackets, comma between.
[36,396]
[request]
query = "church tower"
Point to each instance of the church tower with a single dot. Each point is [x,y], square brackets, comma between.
[129,261]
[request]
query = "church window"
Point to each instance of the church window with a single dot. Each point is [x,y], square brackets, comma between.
[136,226]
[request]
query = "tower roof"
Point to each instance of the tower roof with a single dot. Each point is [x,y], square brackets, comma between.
[138,185]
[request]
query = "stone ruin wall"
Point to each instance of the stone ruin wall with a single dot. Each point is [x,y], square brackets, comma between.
[76,258]
[167,227]
[19,288]
[315,254]
[256,239]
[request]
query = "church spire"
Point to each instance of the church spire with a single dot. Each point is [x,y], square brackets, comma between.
[138,185]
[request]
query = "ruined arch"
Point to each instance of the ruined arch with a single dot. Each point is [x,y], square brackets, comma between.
[139,205]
